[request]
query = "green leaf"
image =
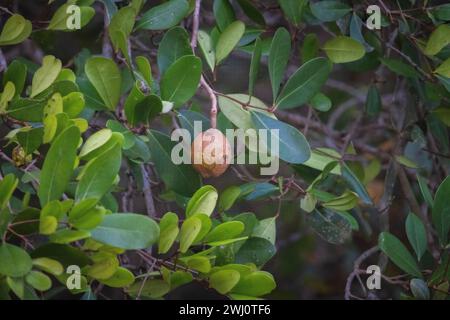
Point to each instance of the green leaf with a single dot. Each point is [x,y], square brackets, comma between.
[45,75]
[398,254]
[65,236]
[328,11]
[95,141]
[252,12]
[266,229]
[47,225]
[225,231]
[127,231]
[224,280]
[419,289]
[279,53]
[153,288]
[14,261]
[231,107]
[73,104]
[254,66]
[58,165]
[255,250]
[174,45]
[16,73]
[406,162]
[179,83]
[223,14]
[321,102]
[145,69]
[38,281]
[228,197]
[7,95]
[255,284]
[442,12]
[228,39]
[207,48]
[180,178]
[84,215]
[293,10]
[343,49]
[348,200]
[399,67]
[198,263]
[373,101]
[293,147]
[121,22]
[331,226]
[356,26]
[353,182]
[61,16]
[120,279]
[444,69]
[106,78]
[164,16]
[304,83]
[438,39]
[99,174]
[7,186]
[441,211]
[104,267]
[15,30]
[189,231]
[26,109]
[310,47]
[203,201]
[168,232]
[48,265]
[415,230]
[425,191]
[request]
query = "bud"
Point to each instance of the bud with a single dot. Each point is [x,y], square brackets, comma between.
[210,153]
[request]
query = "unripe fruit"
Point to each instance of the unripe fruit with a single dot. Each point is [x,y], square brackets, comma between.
[210,153]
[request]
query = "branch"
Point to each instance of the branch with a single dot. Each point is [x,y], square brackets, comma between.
[204,84]
[2,62]
[195,24]
[147,190]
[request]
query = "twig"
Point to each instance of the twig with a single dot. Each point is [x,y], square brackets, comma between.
[204,84]
[356,271]
[147,190]
[195,23]
[3,63]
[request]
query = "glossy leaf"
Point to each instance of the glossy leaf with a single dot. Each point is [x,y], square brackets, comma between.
[228,39]
[203,201]
[163,16]
[304,83]
[99,174]
[279,53]
[441,211]
[224,280]
[174,45]
[329,10]
[14,261]
[45,75]
[179,178]
[293,147]
[415,230]
[105,76]
[127,231]
[398,254]
[58,165]
[343,49]
[181,80]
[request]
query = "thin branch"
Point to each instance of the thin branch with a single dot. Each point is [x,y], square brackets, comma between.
[147,190]
[195,23]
